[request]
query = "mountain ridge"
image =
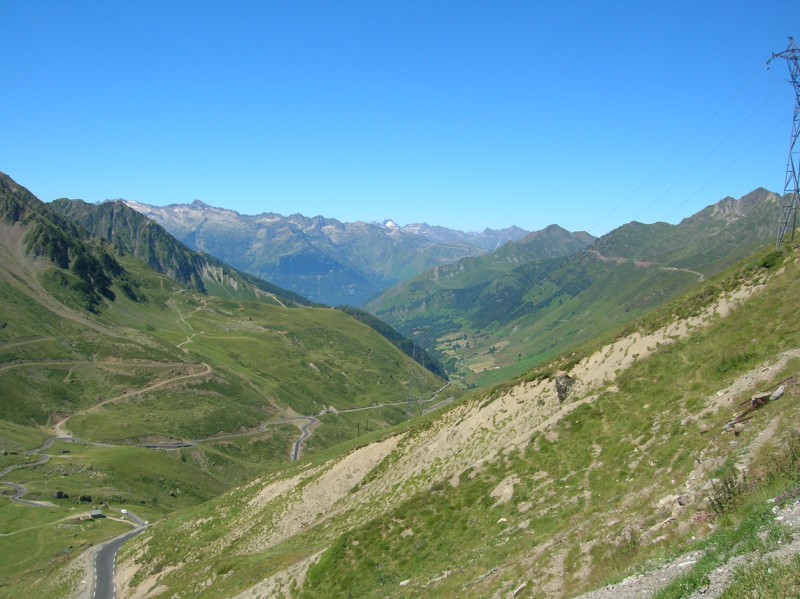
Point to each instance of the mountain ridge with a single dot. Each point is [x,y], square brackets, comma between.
[322,258]
[85,268]
[132,232]
[490,311]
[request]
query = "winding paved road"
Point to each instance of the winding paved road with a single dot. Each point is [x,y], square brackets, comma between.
[104,559]
[21,490]
[105,556]
[305,435]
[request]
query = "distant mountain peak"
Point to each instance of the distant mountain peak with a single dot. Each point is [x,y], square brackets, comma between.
[322,258]
[512,230]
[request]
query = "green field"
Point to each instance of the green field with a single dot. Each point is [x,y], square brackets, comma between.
[37,543]
[169,365]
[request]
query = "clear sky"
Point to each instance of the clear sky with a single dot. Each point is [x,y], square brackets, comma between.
[463,114]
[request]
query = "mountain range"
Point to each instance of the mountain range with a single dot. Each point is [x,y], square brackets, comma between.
[487,313]
[130,232]
[514,308]
[323,259]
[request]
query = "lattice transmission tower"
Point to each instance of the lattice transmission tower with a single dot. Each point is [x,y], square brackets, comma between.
[791,189]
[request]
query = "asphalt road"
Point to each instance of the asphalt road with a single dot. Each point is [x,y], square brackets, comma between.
[19,492]
[305,435]
[19,489]
[105,557]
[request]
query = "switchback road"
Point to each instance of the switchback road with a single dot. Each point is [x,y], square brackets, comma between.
[305,434]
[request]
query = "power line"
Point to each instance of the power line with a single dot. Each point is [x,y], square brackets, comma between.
[708,154]
[791,188]
[727,168]
[679,150]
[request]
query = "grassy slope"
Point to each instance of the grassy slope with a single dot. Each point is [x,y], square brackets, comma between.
[260,358]
[499,315]
[37,543]
[264,360]
[588,488]
[592,497]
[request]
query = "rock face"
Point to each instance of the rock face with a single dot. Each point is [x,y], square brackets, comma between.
[134,233]
[564,384]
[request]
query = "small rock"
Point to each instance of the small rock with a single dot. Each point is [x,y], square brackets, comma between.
[683,500]
[564,384]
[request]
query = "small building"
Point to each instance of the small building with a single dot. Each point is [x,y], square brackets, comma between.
[95,514]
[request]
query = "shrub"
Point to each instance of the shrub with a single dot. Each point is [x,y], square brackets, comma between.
[724,493]
[734,361]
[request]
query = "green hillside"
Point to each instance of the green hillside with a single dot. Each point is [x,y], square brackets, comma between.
[410,348]
[529,491]
[131,232]
[86,269]
[112,357]
[499,315]
[262,357]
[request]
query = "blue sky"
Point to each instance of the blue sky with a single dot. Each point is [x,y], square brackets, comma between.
[462,114]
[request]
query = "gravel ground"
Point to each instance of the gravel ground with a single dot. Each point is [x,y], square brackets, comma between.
[648,584]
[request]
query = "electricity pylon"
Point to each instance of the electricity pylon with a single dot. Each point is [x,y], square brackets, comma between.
[791,189]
